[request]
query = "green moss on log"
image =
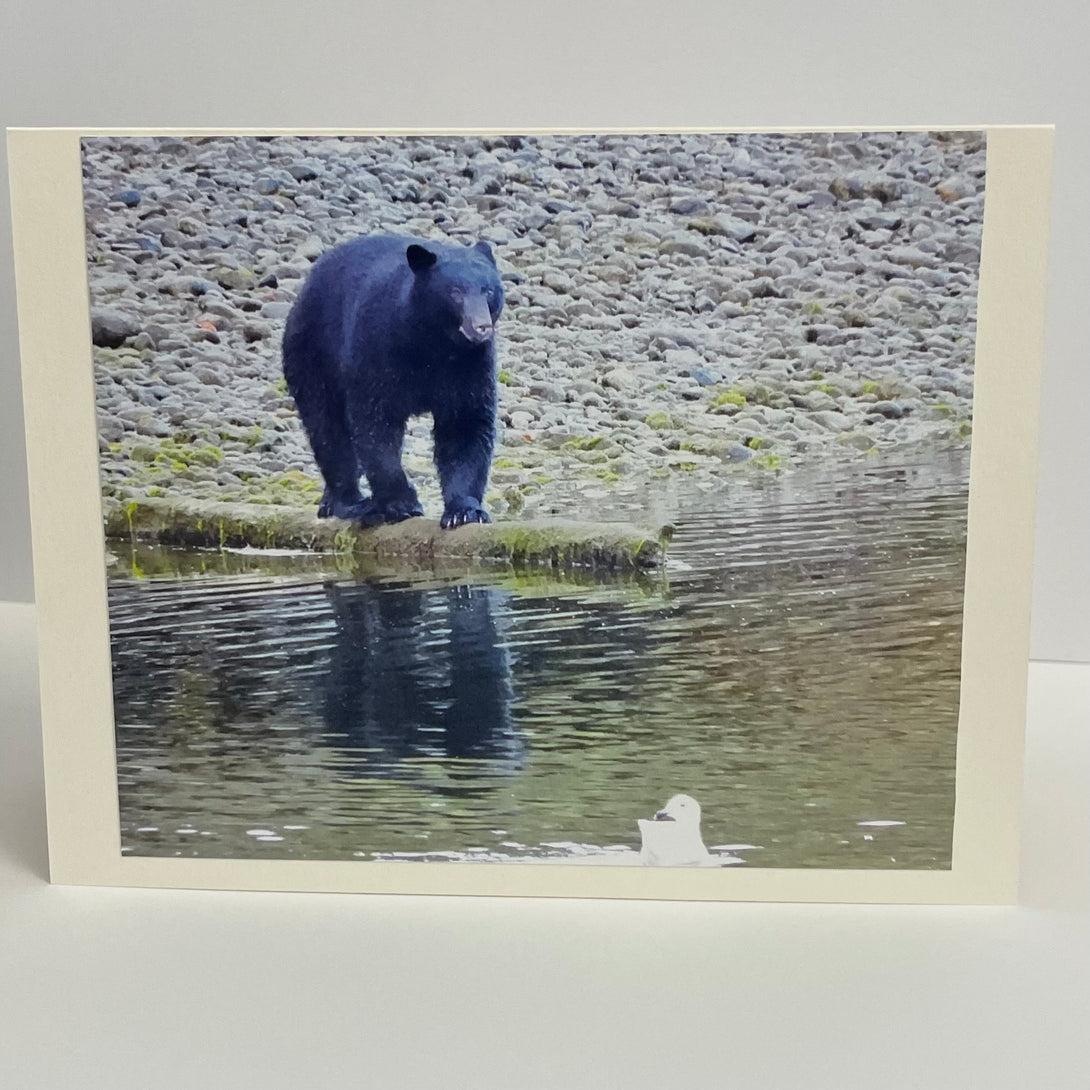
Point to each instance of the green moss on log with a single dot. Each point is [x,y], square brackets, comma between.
[417,542]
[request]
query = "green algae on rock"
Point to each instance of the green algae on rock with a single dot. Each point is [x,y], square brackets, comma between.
[554,543]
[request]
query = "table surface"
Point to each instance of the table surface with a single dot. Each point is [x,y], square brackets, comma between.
[155,988]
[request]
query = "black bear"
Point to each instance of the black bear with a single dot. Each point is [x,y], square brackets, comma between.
[386,328]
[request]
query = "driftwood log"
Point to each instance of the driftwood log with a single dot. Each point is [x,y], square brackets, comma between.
[418,542]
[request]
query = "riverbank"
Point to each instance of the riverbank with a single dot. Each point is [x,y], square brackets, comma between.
[678,308]
[550,543]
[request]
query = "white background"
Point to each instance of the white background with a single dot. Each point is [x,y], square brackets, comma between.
[162,989]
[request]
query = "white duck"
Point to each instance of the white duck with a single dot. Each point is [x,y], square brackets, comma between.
[672,839]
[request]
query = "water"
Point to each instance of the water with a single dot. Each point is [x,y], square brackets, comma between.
[796,671]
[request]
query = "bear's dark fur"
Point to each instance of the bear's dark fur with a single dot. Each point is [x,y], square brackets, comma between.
[386,328]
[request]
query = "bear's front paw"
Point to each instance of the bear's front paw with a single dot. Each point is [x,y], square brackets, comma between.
[462,512]
[400,510]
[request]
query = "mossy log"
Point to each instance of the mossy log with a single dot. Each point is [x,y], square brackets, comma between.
[418,542]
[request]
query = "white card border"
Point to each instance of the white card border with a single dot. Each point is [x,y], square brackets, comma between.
[70,583]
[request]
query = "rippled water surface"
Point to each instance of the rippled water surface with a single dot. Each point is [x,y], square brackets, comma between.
[796,671]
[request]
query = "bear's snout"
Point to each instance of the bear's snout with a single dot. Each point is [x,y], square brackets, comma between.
[477,325]
[478,332]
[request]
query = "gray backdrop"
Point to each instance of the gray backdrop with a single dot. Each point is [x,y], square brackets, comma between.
[169,989]
[353,63]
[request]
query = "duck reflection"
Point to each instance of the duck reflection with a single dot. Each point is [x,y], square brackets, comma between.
[416,672]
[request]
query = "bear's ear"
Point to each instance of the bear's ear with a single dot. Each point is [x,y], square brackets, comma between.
[482,247]
[420,258]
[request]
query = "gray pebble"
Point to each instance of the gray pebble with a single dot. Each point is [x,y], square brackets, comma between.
[110,327]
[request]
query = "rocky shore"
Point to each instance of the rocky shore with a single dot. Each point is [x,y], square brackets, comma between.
[679,308]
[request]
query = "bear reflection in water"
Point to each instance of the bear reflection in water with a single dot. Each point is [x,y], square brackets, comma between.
[376,675]
[419,672]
